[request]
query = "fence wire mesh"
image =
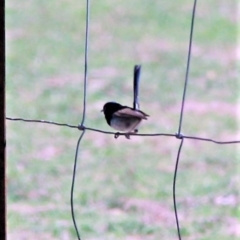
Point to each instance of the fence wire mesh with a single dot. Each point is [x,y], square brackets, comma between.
[83,128]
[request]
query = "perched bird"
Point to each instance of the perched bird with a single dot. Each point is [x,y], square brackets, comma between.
[123,118]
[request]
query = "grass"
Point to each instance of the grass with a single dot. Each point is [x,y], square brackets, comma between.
[123,188]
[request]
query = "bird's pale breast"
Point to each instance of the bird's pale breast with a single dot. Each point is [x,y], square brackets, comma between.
[125,124]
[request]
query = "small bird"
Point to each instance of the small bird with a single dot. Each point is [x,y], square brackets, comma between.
[123,118]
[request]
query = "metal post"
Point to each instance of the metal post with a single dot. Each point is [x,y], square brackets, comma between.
[3,232]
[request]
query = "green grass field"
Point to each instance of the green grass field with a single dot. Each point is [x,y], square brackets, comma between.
[123,188]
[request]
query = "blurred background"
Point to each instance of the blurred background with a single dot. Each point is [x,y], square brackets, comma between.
[123,188]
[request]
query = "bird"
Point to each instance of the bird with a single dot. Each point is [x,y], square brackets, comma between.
[123,118]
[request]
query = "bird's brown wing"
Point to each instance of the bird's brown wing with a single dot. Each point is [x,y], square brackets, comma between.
[128,112]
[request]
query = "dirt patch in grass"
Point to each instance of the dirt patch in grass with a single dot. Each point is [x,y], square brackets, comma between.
[153,212]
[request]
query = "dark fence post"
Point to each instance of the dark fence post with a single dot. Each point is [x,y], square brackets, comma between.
[3,231]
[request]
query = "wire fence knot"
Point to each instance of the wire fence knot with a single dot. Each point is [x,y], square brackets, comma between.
[81,127]
[179,136]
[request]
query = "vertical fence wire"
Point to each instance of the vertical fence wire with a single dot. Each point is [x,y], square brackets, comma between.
[85,64]
[179,135]
[174,189]
[188,66]
[73,184]
[81,126]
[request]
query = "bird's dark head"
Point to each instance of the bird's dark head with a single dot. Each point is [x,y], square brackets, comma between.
[111,107]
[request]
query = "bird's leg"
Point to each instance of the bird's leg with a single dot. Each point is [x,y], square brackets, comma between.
[116,135]
[127,135]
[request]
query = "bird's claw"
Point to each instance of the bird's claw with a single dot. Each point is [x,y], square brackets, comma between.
[127,136]
[117,134]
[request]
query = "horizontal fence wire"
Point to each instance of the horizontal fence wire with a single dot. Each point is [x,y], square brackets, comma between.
[81,127]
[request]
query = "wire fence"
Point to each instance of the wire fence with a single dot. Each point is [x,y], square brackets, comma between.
[81,127]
